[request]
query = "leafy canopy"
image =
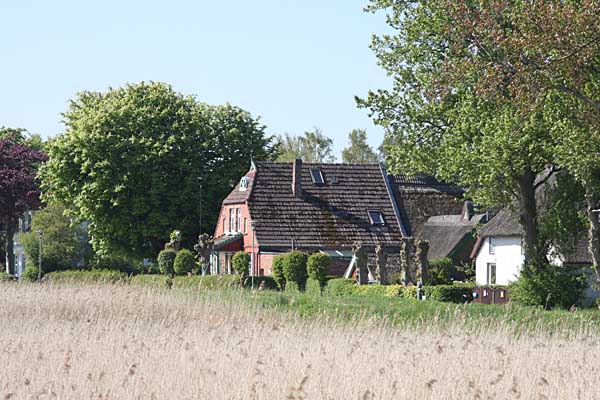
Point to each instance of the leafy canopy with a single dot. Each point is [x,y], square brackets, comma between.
[135,162]
[358,150]
[313,147]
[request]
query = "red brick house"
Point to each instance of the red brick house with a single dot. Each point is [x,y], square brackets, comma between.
[278,206]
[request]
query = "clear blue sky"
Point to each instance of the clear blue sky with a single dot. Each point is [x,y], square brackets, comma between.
[297,64]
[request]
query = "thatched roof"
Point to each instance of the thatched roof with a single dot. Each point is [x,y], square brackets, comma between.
[505,223]
[445,233]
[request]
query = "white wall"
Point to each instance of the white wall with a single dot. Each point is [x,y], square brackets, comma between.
[507,257]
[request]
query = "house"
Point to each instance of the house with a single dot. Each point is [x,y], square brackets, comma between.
[279,206]
[499,251]
[452,236]
[18,250]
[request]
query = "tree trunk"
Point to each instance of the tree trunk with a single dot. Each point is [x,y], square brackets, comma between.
[591,199]
[534,253]
[9,248]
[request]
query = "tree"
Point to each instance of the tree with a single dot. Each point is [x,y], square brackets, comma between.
[358,150]
[440,123]
[19,191]
[313,147]
[166,261]
[137,161]
[241,265]
[64,242]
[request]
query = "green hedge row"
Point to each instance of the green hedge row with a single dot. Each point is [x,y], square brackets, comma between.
[86,276]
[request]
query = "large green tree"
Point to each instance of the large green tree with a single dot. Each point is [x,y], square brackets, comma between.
[358,150]
[313,147]
[439,123]
[135,161]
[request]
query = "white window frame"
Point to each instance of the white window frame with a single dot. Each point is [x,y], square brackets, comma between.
[313,176]
[239,220]
[372,221]
[232,220]
[489,274]
[492,245]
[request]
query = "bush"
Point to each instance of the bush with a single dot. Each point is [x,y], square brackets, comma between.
[294,268]
[317,266]
[116,263]
[277,271]
[31,273]
[458,293]
[184,262]
[241,264]
[86,276]
[266,281]
[551,286]
[395,279]
[409,292]
[340,287]
[370,290]
[440,271]
[166,261]
[394,291]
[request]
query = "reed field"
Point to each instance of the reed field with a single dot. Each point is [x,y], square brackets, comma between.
[123,342]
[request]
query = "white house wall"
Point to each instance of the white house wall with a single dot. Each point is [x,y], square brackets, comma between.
[507,257]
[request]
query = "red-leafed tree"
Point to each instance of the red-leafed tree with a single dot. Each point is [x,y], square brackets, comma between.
[19,189]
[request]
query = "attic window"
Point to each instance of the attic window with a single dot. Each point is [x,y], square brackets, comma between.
[376,217]
[317,176]
[244,183]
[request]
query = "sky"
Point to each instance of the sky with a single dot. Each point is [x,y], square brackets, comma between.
[296,64]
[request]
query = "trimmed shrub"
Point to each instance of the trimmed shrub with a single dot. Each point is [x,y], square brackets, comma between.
[184,262]
[294,268]
[314,287]
[551,286]
[241,265]
[31,273]
[370,290]
[458,293]
[340,287]
[440,271]
[86,276]
[394,291]
[166,261]
[267,281]
[277,271]
[409,292]
[317,266]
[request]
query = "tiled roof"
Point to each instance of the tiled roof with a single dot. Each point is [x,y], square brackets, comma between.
[237,196]
[331,215]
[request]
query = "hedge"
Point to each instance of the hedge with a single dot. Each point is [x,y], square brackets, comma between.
[457,293]
[86,276]
[149,280]
[340,287]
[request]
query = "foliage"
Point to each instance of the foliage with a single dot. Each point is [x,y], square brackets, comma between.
[317,266]
[555,286]
[457,293]
[130,161]
[241,264]
[31,272]
[166,261]
[369,290]
[184,262]
[313,147]
[4,276]
[440,270]
[116,262]
[294,268]
[358,150]
[340,287]
[64,242]
[157,281]
[19,191]
[277,271]
[86,276]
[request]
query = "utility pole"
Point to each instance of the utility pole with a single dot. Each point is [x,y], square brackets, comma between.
[200,205]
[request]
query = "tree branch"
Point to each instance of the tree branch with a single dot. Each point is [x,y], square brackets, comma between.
[575,93]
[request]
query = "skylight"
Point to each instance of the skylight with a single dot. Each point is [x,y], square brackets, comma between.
[317,176]
[376,217]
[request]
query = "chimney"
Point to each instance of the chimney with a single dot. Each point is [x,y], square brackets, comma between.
[467,211]
[297,178]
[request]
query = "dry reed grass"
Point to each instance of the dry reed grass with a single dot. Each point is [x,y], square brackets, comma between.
[119,342]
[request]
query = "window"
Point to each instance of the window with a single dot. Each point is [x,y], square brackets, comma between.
[244,183]
[239,220]
[376,217]
[232,220]
[224,225]
[317,176]
[492,245]
[491,274]
[245,225]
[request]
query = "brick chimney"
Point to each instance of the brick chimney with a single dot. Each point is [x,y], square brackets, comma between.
[297,178]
